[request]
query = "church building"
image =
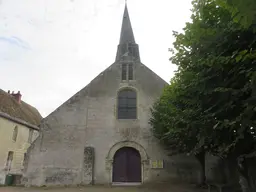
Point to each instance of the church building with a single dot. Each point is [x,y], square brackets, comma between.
[101,135]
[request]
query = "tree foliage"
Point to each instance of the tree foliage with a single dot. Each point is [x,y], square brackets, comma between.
[210,104]
[243,11]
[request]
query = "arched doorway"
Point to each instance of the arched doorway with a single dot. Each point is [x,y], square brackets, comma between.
[127,165]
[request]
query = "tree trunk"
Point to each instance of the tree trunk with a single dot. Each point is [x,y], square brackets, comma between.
[201,158]
[244,180]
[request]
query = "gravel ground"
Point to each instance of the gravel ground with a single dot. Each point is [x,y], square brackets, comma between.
[147,188]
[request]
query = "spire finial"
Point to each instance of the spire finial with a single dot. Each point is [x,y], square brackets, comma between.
[125,2]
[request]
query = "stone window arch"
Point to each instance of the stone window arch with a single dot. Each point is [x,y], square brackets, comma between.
[15,133]
[127,104]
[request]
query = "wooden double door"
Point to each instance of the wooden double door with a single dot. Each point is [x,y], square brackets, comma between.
[127,165]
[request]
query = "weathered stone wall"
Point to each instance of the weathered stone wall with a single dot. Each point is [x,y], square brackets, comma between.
[88,119]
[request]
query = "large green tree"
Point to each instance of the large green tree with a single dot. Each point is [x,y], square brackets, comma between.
[177,122]
[210,104]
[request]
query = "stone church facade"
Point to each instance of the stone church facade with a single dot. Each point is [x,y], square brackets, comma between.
[101,135]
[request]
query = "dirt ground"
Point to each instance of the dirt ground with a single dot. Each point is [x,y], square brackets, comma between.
[155,188]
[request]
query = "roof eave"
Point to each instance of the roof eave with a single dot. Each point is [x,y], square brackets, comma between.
[6,116]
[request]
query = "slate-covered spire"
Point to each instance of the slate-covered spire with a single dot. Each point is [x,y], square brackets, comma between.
[127,46]
[126,31]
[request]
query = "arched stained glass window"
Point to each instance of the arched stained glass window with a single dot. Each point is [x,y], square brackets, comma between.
[127,104]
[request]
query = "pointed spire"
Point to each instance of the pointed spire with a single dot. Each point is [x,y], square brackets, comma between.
[127,46]
[126,31]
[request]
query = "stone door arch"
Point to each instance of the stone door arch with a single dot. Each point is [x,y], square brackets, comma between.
[130,144]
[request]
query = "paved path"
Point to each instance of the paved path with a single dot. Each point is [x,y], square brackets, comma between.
[158,188]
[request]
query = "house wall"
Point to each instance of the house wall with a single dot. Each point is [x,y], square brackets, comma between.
[19,147]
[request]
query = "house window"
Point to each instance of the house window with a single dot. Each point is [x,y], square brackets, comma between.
[9,160]
[124,71]
[30,135]
[24,159]
[130,72]
[127,104]
[15,133]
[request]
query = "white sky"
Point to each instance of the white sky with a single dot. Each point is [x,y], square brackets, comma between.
[50,49]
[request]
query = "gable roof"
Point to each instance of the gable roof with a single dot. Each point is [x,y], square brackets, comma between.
[92,88]
[23,111]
